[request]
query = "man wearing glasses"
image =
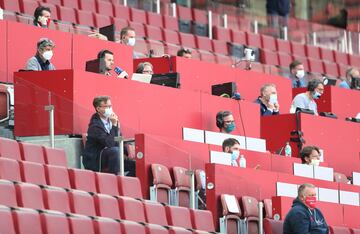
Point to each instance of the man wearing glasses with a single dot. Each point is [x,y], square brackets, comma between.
[225,121]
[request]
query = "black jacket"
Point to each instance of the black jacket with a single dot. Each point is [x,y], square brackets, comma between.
[302,220]
[278,7]
[97,140]
[264,110]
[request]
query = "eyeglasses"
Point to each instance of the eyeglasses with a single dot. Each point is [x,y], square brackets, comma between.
[109,106]
[229,121]
[148,72]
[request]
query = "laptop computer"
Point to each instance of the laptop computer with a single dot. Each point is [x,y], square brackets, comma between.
[166,79]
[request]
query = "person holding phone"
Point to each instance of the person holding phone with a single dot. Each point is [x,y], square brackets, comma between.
[268,100]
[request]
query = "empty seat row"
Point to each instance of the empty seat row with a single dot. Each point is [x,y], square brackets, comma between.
[69,178]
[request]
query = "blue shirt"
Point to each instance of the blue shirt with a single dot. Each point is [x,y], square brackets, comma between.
[344,84]
[298,83]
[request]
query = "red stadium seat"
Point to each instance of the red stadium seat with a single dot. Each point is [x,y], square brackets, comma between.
[354,60]
[130,187]
[199,16]
[6,221]
[331,69]
[57,176]
[298,49]
[327,54]
[82,203]
[251,213]
[56,199]
[316,65]
[342,70]
[139,28]
[138,16]
[70,3]
[153,33]
[171,36]
[157,47]
[67,14]
[107,226]
[156,229]
[107,184]
[283,46]
[105,8]
[253,40]
[172,49]
[131,209]
[102,20]
[312,52]
[272,226]
[122,12]
[85,18]
[27,219]
[171,23]
[269,57]
[284,60]
[223,34]
[141,46]
[182,186]
[340,178]
[120,23]
[238,37]
[203,43]
[154,19]
[55,2]
[230,218]
[7,194]
[339,230]
[184,13]
[28,6]
[32,152]
[55,223]
[82,179]
[202,220]
[10,5]
[304,61]
[268,42]
[30,196]
[187,40]
[220,47]
[33,173]
[56,157]
[268,208]
[87,5]
[107,206]
[128,227]
[9,169]
[9,149]
[162,183]
[341,58]
[179,216]
[155,213]
[223,59]
[81,224]
[355,231]
[54,14]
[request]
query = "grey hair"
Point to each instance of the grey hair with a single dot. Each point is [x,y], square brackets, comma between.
[265,86]
[302,188]
[141,66]
[43,42]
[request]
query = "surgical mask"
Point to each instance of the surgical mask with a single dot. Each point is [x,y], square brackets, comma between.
[315,162]
[47,54]
[311,202]
[273,98]
[300,74]
[230,127]
[235,155]
[108,112]
[131,41]
[316,95]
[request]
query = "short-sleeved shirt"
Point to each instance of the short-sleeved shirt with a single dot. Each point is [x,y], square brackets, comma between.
[303,101]
[344,84]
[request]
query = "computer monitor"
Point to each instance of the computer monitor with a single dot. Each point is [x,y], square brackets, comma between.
[355,83]
[108,31]
[96,66]
[166,79]
[224,90]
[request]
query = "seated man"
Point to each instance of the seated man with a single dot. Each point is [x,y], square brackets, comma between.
[225,121]
[107,58]
[41,60]
[297,74]
[128,37]
[310,155]
[306,100]
[232,146]
[350,73]
[42,17]
[186,53]
[268,101]
[145,68]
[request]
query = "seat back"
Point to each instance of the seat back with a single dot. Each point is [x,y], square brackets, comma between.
[162,181]
[32,152]
[55,157]
[9,169]
[82,179]
[340,178]
[178,216]
[57,176]
[25,219]
[272,226]
[202,220]
[129,186]
[250,205]
[6,221]
[128,227]
[30,196]
[7,194]
[107,206]
[131,209]
[182,184]
[268,208]
[55,223]
[56,199]
[33,172]
[82,203]
[81,224]
[231,212]
[155,213]
[339,230]
[107,226]
[9,149]
[107,184]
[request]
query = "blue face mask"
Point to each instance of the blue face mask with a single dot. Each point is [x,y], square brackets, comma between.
[235,155]
[316,95]
[230,127]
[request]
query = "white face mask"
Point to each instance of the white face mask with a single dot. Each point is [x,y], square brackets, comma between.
[108,112]
[47,54]
[131,41]
[315,162]
[300,74]
[235,155]
[273,98]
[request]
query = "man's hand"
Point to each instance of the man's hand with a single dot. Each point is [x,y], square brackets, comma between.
[123,74]
[114,119]
[276,106]
[42,20]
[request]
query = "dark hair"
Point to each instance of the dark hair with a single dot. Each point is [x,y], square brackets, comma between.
[183,51]
[102,53]
[220,118]
[306,151]
[124,31]
[38,12]
[313,84]
[293,64]
[99,99]
[229,142]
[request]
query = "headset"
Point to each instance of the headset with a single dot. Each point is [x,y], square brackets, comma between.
[102,53]
[313,84]
[220,118]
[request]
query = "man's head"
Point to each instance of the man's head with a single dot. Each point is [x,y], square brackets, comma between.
[297,69]
[102,105]
[186,53]
[108,57]
[45,48]
[42,12]
[230,145]
[145,68]
[310,155]
[225,121]
[268,92]
[127,36]
[352,73]
[315,88]
[307,195]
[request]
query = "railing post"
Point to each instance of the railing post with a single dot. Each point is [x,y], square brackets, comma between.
[191,174]
[173,8]
[210,24]
[51,108]
[225,20]
[285,33]
[1,14]
[314,38]
[125,2]
[256,27]
[261,217]
[158,6]
[121,154]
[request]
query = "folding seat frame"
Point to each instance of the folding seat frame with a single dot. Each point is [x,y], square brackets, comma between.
[241,224]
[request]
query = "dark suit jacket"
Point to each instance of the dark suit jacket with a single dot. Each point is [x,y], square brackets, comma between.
[97,140]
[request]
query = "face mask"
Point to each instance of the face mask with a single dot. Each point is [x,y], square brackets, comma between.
[273,98]
[310,202]
[48,54]
[230,127]
[315,162]
[235,155]
[131,41]
[300,74]
[316,95]
[108,112]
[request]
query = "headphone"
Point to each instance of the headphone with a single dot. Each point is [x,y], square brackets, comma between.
[313,84]
[102,53]
[220,118]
